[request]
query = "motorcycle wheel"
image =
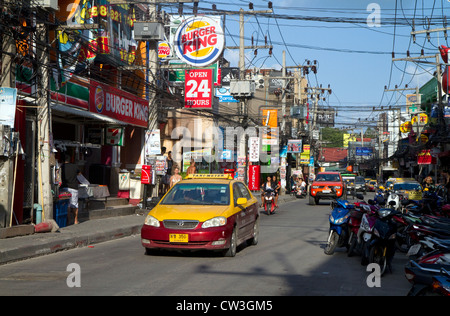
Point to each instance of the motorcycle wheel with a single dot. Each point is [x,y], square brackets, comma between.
[268,208]
[332,244]
[376,256]
[353,243]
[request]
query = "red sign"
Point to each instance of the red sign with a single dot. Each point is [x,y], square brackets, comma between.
[254,177]
[198,89]
[425,158]
[146,174]
[118,104]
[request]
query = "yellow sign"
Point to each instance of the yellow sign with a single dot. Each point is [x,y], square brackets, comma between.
[270,118]
[423,138]
[209,176]
[348,138]
[405,127]
[421,119]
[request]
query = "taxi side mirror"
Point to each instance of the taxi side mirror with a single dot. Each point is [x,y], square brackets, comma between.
[241,201]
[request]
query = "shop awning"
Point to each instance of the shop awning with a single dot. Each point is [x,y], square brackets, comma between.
[84,113]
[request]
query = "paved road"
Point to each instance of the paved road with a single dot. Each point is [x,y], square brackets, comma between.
[288,260]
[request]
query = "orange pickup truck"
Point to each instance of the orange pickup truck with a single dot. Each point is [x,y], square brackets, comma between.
[327,185]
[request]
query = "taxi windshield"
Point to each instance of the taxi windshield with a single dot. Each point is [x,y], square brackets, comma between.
[407,186]
[198,194]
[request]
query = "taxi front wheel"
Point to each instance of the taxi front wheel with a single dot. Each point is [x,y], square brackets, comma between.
[231,252]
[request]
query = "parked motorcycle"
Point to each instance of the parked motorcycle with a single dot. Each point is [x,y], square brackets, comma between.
[421,274]
[394,200]
[269,201]
[354,224]
[382,246]
[338,234]
[441,283]
[365,232]
[429,244]
[404,223]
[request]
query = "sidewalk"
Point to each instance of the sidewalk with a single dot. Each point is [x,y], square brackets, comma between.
[86,233]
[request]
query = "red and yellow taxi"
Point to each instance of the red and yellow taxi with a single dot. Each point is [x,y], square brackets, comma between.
[204,211]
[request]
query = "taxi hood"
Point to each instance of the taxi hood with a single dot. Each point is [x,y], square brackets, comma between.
[189,212]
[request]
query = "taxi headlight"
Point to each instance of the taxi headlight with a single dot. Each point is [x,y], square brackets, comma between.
[215,222]
[151,221]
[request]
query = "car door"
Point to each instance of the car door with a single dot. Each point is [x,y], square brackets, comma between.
[246,213]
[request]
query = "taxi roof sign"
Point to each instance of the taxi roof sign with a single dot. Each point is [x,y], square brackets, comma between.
[210,176]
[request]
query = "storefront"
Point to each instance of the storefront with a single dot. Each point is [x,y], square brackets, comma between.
[103,134]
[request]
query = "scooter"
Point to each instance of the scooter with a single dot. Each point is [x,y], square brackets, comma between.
[421,274]
[429,244]
[338,234]
[269,201]
[354,224]
[294,189]
[365,232]
[300,192]
[441,283]
[382,246]
[394,197]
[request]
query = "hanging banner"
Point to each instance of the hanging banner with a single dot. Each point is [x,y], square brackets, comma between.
[253,148]
[152,142]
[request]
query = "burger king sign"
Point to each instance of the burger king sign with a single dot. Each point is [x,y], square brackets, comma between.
[199,41]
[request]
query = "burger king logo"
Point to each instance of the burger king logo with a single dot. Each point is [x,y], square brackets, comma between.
[199,41]
[99,99]
[164,50]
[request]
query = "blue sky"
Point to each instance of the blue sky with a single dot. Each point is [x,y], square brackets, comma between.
[353,58]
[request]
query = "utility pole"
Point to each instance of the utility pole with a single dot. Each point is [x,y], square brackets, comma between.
[7,80]
[315,92]
[43,116]
[244,99]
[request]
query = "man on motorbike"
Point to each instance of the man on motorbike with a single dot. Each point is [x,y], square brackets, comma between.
[268,184]
[428,183]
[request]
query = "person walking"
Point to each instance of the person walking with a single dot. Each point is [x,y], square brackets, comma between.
[176,177]
[69,183]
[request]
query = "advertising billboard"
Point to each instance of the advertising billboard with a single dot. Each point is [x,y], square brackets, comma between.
[199,41]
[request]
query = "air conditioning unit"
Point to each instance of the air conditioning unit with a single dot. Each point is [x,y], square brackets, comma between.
[47,4]
[148,31]
[259,82]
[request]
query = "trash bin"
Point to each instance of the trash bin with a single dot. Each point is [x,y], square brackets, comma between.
[60,209]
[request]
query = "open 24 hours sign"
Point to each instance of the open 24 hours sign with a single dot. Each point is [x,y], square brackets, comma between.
[198,89]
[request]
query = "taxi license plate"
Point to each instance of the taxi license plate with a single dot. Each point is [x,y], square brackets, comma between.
[178,238]
[326,191]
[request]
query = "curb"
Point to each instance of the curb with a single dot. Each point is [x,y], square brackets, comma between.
[26,247]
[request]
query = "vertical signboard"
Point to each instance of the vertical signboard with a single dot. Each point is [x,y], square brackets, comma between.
[198,89]
[254,177]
